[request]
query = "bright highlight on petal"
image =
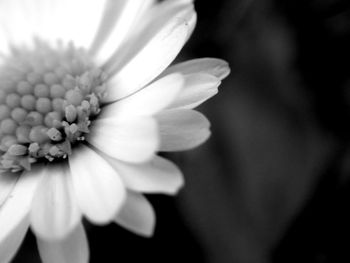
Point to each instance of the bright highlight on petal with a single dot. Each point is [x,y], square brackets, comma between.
[182,130]
[99,190]
[137,215]
[72,249]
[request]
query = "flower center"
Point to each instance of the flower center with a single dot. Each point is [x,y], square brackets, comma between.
[48,97]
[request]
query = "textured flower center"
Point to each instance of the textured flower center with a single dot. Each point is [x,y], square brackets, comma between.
[48,97]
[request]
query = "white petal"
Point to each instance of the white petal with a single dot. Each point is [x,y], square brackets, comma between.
[73,249]
[148,101]
[212,66]
[12,242]
[18,205]
[75,21]
[182,129]
[152,52]
[198,88]
[137,215]
[132,140]
[99,190]
[17,29]
[156,176]
[118,20]
[7,183]
[54,211]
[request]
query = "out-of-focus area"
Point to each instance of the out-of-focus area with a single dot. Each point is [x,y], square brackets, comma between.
[272,183]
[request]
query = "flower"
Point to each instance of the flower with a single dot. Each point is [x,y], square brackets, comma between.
[87,100]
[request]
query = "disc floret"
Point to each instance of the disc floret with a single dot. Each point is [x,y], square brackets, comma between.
[48,98]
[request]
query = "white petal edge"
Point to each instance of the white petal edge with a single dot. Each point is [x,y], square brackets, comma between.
[137,215]
[73,249]
[148,101]
[153,55]
[182,129]
[99,190]
[18,205]
[12,242]
[54,212]
[132,140]
[199,87]
[117,22]
[212,66]
[156,176]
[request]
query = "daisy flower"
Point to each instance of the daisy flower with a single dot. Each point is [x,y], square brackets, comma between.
[87,101]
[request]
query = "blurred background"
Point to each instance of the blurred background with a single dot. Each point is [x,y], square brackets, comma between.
[272,183]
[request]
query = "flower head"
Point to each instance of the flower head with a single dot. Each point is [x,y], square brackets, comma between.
[87,100]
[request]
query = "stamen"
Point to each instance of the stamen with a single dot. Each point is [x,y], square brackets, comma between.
[48,98]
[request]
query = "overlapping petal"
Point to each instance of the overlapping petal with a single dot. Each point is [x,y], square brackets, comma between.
[14,213]
[54,212]
[117,23]
[137,215]
[74,248]
[182,129]
[11,243]
[150,52]
[198,88]
[18,205]
[212,66]
[148,101]
[99,190]
[156,176]
[132,140]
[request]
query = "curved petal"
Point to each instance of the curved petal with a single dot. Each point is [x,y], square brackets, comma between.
[74,248]
[12,242]
[152,51]
[17,207]
[157,176]
[182,129]
[54,212]
[131,140]
[148,101]
[99,190]
[198,88]
[137,215]
[7,183]
[117,22]
[212,66]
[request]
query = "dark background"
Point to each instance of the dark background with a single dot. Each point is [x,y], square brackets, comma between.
[272,183]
